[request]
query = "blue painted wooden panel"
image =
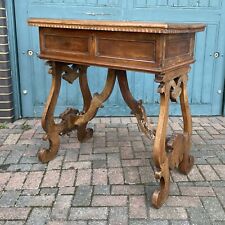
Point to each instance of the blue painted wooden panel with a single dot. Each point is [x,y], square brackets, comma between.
[179,3]
[206,77]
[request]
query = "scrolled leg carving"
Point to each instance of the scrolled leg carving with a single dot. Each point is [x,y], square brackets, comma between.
[46,155]
[71,119]
[159,149]
[136,107]
[47,121]
[188,160]
[97,100]
[84,133]
[172,152]
[179,145]
[71,73]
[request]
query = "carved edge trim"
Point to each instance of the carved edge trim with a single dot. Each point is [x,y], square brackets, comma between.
[116,28]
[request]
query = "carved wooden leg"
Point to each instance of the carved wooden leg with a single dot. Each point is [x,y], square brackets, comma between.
[84,133]
[159,150]
[188,160]
[73,119]
[135,106]
[47,121]
[172,152]
[97,100]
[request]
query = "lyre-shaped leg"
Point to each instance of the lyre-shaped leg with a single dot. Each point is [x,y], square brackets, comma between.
[84,133]
[97,100]
[47,121]
[188,160]
[172,152]
[136,106]
[159,149]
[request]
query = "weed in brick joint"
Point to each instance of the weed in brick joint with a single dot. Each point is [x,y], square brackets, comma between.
[3,126]
[25,126]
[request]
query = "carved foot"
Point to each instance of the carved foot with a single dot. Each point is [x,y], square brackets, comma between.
[160,195]
[186,165]
[46,155]
[175,149]
[178,152]
[84,133]
[68,117]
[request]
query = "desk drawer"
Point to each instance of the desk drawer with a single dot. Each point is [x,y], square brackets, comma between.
[66,42]
[136,51]
[148,52]
[127,46]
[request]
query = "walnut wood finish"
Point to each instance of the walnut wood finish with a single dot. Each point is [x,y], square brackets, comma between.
[171,152]
[84,133]
[47,121]
[160,48]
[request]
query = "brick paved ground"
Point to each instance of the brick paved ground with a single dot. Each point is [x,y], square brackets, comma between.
[109,179]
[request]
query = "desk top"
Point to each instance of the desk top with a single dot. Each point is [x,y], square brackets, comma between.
[124,26]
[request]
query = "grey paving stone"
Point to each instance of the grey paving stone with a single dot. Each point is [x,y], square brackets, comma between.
[214,208]
[20,167]
[149,222]
[48,191]
[118,216]
[99,164]
[102,189]
[199,216]
[30,192]
[12,213]
[35,201]
[113,160]
[184,201]
[218,223]
[27,160]
[38,216]
[60,222]
[61,207]
[13,223]
[82,196]
[168,213]
[95,222]
[38,167]
[179,222]
[9,198]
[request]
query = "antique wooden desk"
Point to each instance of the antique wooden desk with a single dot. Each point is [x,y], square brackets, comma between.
[166,50]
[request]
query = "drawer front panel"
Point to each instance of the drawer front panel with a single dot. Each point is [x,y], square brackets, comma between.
[121,50]
[64,42]
[71,45]
[130,50]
